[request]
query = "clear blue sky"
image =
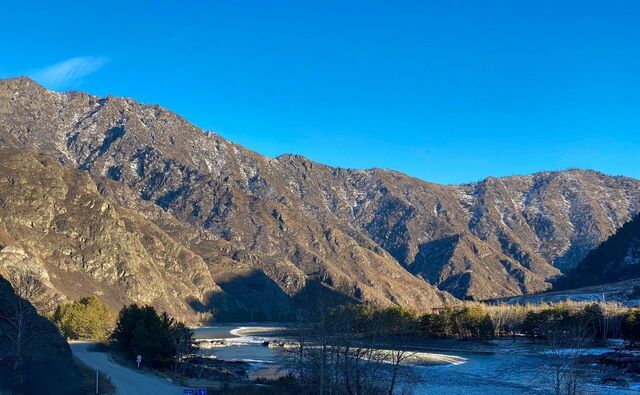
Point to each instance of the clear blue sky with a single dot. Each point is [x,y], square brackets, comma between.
[448,91]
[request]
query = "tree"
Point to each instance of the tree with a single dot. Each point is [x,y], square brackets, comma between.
[87,318]
[19,318]
[461,322]
[29,287]
[183,344]
[631,327]
[34,358]
[566,346]
[339,354]
[394,321]
[594,320]
[158,338]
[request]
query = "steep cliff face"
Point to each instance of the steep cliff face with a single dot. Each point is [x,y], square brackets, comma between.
[55,224]
[359,233]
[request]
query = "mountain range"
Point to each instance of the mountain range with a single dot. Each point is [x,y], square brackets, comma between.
[131,201]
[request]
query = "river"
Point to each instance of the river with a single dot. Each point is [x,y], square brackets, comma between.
[499,367]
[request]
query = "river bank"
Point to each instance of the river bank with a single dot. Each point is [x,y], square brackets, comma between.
[504,366]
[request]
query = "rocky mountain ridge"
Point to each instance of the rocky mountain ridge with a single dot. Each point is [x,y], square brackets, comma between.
[291,221]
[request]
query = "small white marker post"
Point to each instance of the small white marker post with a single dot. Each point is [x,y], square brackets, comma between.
[138,360]
[97,376]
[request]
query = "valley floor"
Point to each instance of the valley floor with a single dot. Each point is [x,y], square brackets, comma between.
[496,367]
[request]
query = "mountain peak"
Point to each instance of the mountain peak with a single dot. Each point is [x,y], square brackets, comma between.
[20,82]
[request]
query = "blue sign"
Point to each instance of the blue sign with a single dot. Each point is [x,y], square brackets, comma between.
[202,391]
[189,391]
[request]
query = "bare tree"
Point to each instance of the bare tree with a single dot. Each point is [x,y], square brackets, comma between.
[402,377]
[334,357]
[567,345]
[19,318]
[27,286]
[182,338]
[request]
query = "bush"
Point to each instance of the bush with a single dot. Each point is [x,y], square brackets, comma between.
[158,338]
[87,318]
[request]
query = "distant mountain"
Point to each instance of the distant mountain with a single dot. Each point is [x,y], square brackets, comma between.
[616,259]
[290,229]
[46,365]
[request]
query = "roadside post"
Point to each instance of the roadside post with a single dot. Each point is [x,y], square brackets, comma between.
[202,391]
[97,379]
[138,360]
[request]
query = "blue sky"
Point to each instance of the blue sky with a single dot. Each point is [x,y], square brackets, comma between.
[447,91]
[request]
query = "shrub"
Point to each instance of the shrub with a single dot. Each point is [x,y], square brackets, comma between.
[87,318]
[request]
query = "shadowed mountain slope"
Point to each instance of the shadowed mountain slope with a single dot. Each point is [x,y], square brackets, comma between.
[616,259]
[34,357]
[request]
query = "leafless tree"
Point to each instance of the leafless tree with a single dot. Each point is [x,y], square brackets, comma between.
[27,286]
[566,344]
[182,338]
[401,378]
[332,357]
[19,329]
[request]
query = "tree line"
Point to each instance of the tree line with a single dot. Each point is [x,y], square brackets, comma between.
[137,328]
[480,321]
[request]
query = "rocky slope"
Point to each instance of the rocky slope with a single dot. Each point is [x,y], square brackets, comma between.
[287,223]
[46,365]
[616,259]
[55,225]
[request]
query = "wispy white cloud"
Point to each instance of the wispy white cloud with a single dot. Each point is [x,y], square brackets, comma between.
[68,72]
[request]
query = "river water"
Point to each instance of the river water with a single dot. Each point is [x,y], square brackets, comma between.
[505,367]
